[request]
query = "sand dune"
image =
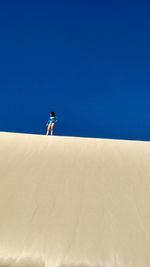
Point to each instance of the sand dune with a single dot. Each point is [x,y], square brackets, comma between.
[68,201]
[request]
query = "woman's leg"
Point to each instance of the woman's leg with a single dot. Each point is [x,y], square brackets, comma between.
[52,128]
[48,129]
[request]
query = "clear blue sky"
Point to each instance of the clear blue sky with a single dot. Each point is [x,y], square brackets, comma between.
[89,61]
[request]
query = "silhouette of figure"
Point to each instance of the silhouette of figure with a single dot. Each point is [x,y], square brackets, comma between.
[51,123]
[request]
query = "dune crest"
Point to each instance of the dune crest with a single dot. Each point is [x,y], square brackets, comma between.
[74,202]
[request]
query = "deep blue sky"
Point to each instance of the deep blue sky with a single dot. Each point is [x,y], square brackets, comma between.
[89,61]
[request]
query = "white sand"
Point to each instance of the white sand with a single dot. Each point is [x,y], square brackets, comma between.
[68,201]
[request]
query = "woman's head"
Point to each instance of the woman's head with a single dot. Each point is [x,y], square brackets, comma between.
[52,113]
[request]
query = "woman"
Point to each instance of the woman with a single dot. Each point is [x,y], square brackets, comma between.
[51,123]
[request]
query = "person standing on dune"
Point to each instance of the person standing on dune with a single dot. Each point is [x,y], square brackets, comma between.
[51,123]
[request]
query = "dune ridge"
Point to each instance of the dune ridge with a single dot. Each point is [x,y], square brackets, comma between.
[74,202]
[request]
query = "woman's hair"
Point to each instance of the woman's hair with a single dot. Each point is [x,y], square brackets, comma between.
[52,113]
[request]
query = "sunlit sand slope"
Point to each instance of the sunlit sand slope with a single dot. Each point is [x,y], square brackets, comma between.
[68,201]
